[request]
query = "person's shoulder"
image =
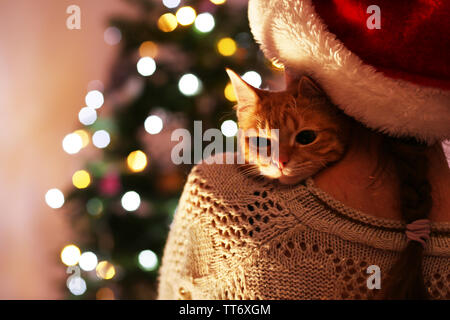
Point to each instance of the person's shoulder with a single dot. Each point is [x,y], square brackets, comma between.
[238,211]
[219,175]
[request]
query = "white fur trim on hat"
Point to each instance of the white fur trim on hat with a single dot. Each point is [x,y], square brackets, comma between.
[291,32]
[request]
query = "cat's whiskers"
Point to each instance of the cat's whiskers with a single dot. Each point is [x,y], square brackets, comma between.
[301,168]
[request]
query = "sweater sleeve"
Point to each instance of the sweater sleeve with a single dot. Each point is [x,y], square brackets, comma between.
[188,249]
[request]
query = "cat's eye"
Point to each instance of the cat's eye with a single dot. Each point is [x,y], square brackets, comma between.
[306,137]
[259,142]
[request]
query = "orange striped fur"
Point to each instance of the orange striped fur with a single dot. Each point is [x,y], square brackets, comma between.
[302,106]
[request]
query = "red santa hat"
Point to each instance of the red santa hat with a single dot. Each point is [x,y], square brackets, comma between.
[387,65]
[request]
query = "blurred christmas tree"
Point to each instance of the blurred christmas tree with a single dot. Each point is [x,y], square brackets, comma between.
[170,71]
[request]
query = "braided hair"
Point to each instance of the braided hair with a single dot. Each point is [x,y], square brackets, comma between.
[405,279]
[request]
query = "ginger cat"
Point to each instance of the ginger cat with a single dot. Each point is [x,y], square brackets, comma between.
[312,132]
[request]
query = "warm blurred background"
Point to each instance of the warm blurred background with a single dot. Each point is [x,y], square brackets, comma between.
[87,115]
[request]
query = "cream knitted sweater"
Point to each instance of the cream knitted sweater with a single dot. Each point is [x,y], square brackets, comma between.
[236,238]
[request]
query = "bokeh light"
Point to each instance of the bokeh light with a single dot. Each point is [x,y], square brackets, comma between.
[77,286]
[84,137]
[148,260]
[218,2]
[81,179]
[54,198]
[229,92]
[153,124]
[88,261]
[70,255]
[186,15]
[226,47]
[189,84]
[131,201]
[171,3]
[253,78]
[229,128]
[167,22]
[94,206]
[87,116]
[94,99]
[101,139]
[148,49]
[104,294]
[204,22]
[105,270]
[137,161]
[146,66]
[112,36]
[72,143]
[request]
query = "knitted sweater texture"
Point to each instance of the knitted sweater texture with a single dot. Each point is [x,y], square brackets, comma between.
[235,237]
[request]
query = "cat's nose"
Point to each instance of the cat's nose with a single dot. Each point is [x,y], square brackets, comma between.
[282,161]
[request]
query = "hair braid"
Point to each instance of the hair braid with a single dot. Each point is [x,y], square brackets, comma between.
[405,280]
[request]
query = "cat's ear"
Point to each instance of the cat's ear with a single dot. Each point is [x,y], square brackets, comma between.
[246,95]
[307,88]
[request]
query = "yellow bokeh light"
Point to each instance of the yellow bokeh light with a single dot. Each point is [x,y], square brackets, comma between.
[148,49]
[137,161]
[229,92]
[226,46]
[186,15]
[167,22]
[81,179]
[104,294]
[70,255]
[84,137]
[105,270]
[218,1]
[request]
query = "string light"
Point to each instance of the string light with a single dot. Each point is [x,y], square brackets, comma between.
[146,66]
[229,92]
[171,3]
[88,261]
[84,137]
[229,128]
[204,22]
[112,36]
[81,179]
[77,286]
[148,49]
[148,260]
[105,270]
[253,78]
[189,84]
[101,139]
[218,2]
[72,143]
[226,47]
[186,15]
[153,124]
[137,161]
[70,255]
[87,116]
[54,198]
[167,22]
[131,201]
[94,99]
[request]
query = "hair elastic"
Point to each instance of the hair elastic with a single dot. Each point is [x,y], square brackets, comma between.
[419,230]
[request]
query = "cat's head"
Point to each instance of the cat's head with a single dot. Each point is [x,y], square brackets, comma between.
[311,131]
